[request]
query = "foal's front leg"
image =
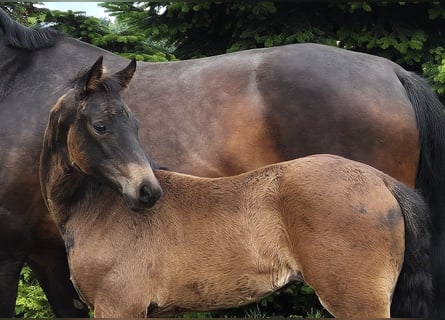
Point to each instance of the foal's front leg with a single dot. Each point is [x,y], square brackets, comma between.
[119,306]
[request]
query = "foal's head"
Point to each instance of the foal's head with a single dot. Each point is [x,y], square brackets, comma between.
[102,135]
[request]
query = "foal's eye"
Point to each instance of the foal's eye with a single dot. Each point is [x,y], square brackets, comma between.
[100,127]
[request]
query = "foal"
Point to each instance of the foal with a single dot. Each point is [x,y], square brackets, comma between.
[346,229]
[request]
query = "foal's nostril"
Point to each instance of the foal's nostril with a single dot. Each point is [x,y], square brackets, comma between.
[145,194]
[149,196]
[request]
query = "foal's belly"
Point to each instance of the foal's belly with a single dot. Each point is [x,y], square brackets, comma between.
[220,291]
[203,295]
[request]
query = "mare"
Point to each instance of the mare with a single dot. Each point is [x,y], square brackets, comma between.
[213,243]
[212,117]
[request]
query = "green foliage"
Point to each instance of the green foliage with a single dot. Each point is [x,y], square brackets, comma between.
[408,33]
[31,301]
[77,25]
[114,37]
[25,12]
[159,57]
[297,300]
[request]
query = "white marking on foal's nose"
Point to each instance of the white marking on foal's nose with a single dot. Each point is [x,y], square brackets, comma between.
[139,172]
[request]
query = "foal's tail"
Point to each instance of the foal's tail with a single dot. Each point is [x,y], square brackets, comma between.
[430,178]
[413,293]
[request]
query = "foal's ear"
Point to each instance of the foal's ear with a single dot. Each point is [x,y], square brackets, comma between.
[93,75]
[124,76]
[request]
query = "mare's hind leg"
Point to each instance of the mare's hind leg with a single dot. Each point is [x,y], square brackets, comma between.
[50,267]
[438,266]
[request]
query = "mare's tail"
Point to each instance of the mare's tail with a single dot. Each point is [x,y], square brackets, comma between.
[430,178]
[413,293]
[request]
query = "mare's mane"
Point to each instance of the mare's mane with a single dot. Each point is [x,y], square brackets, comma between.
[18,36]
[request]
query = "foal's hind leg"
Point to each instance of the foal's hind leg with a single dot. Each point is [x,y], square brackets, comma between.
[361,303]
[352,291]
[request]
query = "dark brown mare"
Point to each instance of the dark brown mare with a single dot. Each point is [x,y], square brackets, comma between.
[212,243]
[213,117]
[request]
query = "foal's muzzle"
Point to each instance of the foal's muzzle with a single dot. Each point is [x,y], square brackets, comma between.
[143,197]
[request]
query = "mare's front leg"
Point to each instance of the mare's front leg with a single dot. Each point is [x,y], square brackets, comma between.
[14,243]
[54,278]
[10,265]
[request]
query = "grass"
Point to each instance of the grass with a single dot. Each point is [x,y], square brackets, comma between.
[296,301]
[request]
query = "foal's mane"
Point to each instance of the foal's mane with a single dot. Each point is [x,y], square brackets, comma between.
[19,36]
[107,83]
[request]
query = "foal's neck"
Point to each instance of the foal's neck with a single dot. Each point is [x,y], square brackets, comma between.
[61,181]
